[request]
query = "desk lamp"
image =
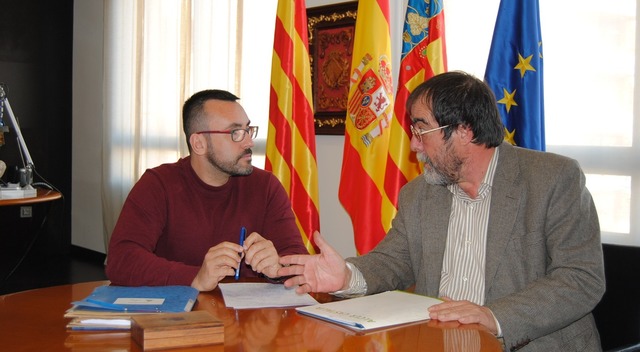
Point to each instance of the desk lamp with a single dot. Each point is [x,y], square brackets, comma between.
[24,189]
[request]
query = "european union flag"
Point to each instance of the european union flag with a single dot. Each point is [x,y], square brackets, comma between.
[514,72]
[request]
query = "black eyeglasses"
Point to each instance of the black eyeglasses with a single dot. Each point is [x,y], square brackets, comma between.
[238,134]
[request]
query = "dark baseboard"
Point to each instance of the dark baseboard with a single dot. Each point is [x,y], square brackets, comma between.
[87,255]
[42,268]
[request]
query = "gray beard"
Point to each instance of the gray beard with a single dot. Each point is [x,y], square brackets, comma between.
[432,175]
[445,174]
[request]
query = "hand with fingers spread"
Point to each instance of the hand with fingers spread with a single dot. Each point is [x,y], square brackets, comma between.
[220,261]
[464,312]
[261,255]
[324,272]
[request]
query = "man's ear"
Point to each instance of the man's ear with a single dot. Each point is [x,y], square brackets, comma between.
[198,144]
[465,133]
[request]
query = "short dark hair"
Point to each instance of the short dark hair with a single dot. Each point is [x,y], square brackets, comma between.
[193,107]
[458,98]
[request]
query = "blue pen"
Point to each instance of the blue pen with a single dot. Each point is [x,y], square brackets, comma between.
[243,233]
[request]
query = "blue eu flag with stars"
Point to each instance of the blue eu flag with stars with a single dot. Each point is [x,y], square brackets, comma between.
[514,72]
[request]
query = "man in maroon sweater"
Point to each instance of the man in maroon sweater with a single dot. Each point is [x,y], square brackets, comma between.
[181,222]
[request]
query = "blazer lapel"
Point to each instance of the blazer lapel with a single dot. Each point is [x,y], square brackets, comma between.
[436,215]
[505,198]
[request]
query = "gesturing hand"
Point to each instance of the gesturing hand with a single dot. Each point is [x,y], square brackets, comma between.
[324,272]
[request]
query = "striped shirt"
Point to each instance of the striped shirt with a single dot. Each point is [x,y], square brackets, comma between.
[463,265]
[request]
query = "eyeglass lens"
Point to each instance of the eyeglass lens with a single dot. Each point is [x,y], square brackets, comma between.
[238,135]
[415,132]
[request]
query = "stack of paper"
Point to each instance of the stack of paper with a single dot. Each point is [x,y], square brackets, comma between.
[99,324]
[111,307]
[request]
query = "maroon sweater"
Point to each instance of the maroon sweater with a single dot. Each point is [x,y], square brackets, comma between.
[171,218]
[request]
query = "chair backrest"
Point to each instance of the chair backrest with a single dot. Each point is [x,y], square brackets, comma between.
[618,313]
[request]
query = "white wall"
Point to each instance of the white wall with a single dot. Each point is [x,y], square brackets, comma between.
[335,224]
[87,107]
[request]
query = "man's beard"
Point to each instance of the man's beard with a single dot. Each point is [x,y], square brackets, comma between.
[231,168]
[445,170]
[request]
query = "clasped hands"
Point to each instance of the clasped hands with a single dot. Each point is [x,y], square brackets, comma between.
[223,259]
[328,272]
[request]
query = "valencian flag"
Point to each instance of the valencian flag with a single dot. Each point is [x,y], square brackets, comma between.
[291,146]
[366,159]
[424,55]
[514,72]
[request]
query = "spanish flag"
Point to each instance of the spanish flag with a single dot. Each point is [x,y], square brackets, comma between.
[370,129]
[291,146]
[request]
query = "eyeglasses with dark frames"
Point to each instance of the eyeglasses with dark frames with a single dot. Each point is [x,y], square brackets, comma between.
[418,132]
[237,134]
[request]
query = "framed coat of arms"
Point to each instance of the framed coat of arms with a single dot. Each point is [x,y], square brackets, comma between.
[331,34]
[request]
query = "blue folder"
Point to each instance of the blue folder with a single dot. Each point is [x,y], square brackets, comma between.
[152,299]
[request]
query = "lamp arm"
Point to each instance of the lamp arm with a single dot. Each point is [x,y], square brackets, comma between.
[16,126]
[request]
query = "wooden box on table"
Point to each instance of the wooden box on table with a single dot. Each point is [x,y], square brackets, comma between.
[169,330]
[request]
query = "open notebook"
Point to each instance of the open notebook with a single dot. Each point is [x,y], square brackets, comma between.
[375,311]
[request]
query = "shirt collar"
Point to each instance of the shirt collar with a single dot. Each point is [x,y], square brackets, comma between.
[485,185]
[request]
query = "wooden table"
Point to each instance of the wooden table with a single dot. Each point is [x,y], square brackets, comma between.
[33,321]
[42,195]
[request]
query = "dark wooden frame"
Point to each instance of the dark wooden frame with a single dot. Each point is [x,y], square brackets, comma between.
[331,33]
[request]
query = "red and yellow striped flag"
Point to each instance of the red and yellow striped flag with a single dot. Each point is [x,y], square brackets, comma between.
[423,56]
[367,160]
[291,146]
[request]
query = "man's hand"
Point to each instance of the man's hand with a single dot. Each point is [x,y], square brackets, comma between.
[463,312]
[220,261]
[324,272]
[261,255]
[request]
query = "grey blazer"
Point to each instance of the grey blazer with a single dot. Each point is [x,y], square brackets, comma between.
[544,267]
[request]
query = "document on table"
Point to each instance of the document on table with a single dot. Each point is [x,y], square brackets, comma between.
[244,295]
[375,311]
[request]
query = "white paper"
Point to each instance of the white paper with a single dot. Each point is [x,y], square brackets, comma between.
[134,300]
[244,295]
[114,322]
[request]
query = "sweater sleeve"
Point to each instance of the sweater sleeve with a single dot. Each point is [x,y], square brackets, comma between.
[131,260]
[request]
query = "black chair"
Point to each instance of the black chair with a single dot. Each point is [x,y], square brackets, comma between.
[631,348]
[618,313]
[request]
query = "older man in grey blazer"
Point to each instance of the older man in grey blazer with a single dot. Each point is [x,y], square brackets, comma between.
[508,237]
